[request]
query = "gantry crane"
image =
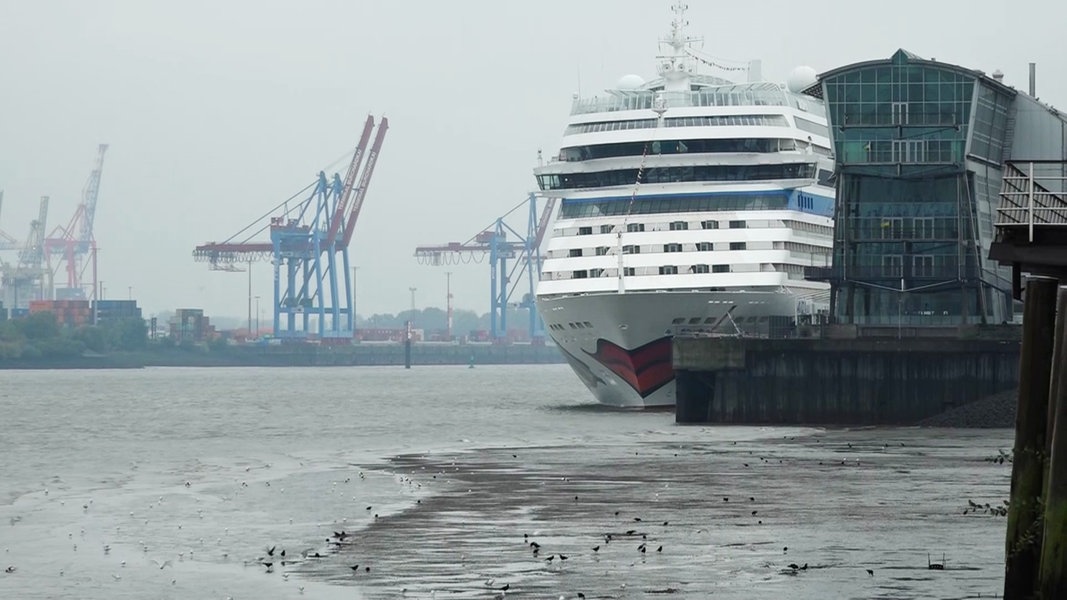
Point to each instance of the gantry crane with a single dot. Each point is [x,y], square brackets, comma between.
[494,242]
[305,244]
[6,241]
[74,245]
[29,273]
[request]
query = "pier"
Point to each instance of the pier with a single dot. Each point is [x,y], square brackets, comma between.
[842,375]
[1031,227]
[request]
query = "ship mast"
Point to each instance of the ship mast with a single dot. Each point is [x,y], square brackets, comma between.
[676,65]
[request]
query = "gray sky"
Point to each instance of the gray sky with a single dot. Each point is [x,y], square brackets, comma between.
[217,111]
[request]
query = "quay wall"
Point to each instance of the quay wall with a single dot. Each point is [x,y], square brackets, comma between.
[856,381]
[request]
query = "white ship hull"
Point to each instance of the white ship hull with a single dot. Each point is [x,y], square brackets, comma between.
[620,344]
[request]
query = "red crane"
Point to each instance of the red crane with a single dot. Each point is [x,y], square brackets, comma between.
[74,245]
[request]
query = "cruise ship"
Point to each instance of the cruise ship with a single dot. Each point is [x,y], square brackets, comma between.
[687,202]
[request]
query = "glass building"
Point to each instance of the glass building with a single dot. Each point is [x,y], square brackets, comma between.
[919,147]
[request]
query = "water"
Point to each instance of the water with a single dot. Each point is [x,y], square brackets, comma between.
[438,473]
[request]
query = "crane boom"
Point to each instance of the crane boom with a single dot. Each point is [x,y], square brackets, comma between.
[542,224]
[90,193]
[364,181]
[32,252]
[350,180]
[6,241]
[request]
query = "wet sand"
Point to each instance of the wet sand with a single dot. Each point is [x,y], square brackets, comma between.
[730,518]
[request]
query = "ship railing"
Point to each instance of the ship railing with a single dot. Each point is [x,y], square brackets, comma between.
[751,95]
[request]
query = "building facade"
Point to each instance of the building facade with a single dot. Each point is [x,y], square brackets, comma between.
[920,147]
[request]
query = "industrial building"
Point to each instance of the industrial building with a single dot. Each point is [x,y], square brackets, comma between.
[920,147]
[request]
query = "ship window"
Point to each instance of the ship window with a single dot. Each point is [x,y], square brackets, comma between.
[709,224]
[585,231]
[737,245]
[720,268]
[627,177]
[601,250]
[668,270]
[738,225]
[672,247]
[575,252]
[580,274]
[812,127]
[632,227]
[694,321]
[677,320]
[596,272]
[618,206]
[606,228]
[700,268]
[587,324]
[826,177]
[573,326]
[633,249]
[679,225]
[629,271]
[704,246]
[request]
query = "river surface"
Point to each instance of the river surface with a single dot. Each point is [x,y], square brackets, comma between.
[175,483]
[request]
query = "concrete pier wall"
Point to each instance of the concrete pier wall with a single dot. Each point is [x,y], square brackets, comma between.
[836,381]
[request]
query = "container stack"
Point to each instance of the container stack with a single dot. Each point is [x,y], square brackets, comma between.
[190,325]
[68,313]
[115,310]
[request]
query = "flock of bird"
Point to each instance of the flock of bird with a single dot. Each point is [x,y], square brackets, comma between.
[640,536]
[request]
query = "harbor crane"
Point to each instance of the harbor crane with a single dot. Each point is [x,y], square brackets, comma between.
[307,240]
[6,241]
[73,247]
[503,282]
[29,272]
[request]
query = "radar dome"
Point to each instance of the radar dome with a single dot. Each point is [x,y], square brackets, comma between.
[630,82]
[801,78]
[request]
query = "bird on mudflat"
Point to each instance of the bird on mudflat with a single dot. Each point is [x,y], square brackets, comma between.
[870,572]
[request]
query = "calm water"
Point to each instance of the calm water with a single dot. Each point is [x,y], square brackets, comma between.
[439,473]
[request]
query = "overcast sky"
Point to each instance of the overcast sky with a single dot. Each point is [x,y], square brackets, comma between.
[216,111]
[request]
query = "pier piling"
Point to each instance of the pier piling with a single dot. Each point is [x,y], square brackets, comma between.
[1052,578]
[1024,528]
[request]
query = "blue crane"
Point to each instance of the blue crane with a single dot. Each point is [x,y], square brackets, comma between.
[504,279]
[307,241]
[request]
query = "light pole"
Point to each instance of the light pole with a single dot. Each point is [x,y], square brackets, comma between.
[448,301]
[257,317]
[412,290]
[250,295]
[354,270]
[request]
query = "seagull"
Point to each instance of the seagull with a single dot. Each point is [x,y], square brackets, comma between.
[355,568]
[870,572]
[270,552]
[162,565]
[596,548]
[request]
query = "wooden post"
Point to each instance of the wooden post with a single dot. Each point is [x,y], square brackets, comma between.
[1052,579]
[1024,532]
